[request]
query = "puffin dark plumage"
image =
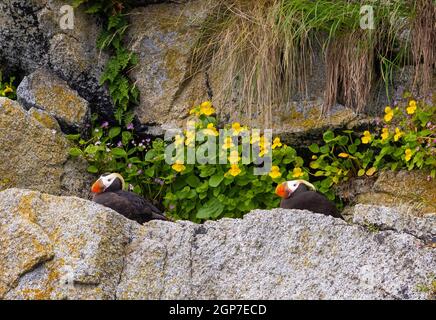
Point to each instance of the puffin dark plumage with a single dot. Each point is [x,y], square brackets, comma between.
[300,194]
[108,191]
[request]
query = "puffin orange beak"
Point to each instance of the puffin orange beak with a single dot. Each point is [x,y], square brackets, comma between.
[282,190]
[97,187]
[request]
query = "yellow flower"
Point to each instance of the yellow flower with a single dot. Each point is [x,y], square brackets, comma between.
[389,114]
[206,108]
[211,130]
[314,157]
[7,90]
[276,143]
[398,134]
[385,133]
[264,143]
[234,157]
[343,155]
[297,173]
[408,154]
[179,140]
[275,172]
[178,166]
[263,151]
[237,128]
[228,143]
[366,137]
[412,107]
[234,170]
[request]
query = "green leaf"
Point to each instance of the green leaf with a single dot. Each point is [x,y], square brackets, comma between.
[343,140]
[352,149]
[314,148]
[215,180]
[75,152]
[96,7]
[325,149]
[149,171]
[193,181]
[212,209]
[91,149]
[206,171]
[113,132]
[328,136]
[73,136]
[361,172]
[126,136]
[92,169]
[119,153]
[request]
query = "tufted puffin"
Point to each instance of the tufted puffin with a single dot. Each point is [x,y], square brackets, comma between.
[296,194]
[108,191]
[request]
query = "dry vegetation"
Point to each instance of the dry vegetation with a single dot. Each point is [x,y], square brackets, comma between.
[264,50]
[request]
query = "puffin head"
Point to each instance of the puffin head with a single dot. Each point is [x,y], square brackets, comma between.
[285,189]
[108,182]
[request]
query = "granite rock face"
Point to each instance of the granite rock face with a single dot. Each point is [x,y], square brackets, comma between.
[163,36]
[34,153]
[44,90]
[78,249]
[413,191]
[32,37]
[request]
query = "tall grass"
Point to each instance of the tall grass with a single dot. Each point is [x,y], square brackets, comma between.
[263,51]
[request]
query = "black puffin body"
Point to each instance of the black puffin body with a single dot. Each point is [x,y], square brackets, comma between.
[108,191]
[305,199]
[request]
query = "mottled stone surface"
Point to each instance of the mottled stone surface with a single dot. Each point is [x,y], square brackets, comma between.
[77,249]
[34,153]
[386,218]
[403,188]
[163,36]
[31,37]
[46,91]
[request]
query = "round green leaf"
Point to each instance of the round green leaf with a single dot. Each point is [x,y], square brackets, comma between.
[92,169]
[215,180]
[113,132]
[118,152]
[328,136]
[314,148]
[75,152]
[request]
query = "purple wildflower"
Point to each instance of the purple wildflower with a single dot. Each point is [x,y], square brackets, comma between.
[129,166]
[140,171]
[119,144]
[105,124]
[159,181]
[130,126]
[171,207]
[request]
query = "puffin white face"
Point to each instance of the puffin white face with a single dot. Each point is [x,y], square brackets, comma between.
[286,188]
[108,180]
[293,185]
[105,181]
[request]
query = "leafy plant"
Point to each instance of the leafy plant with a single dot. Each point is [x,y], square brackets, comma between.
[124,94]
[406,141]
[8,89]
[193,191]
